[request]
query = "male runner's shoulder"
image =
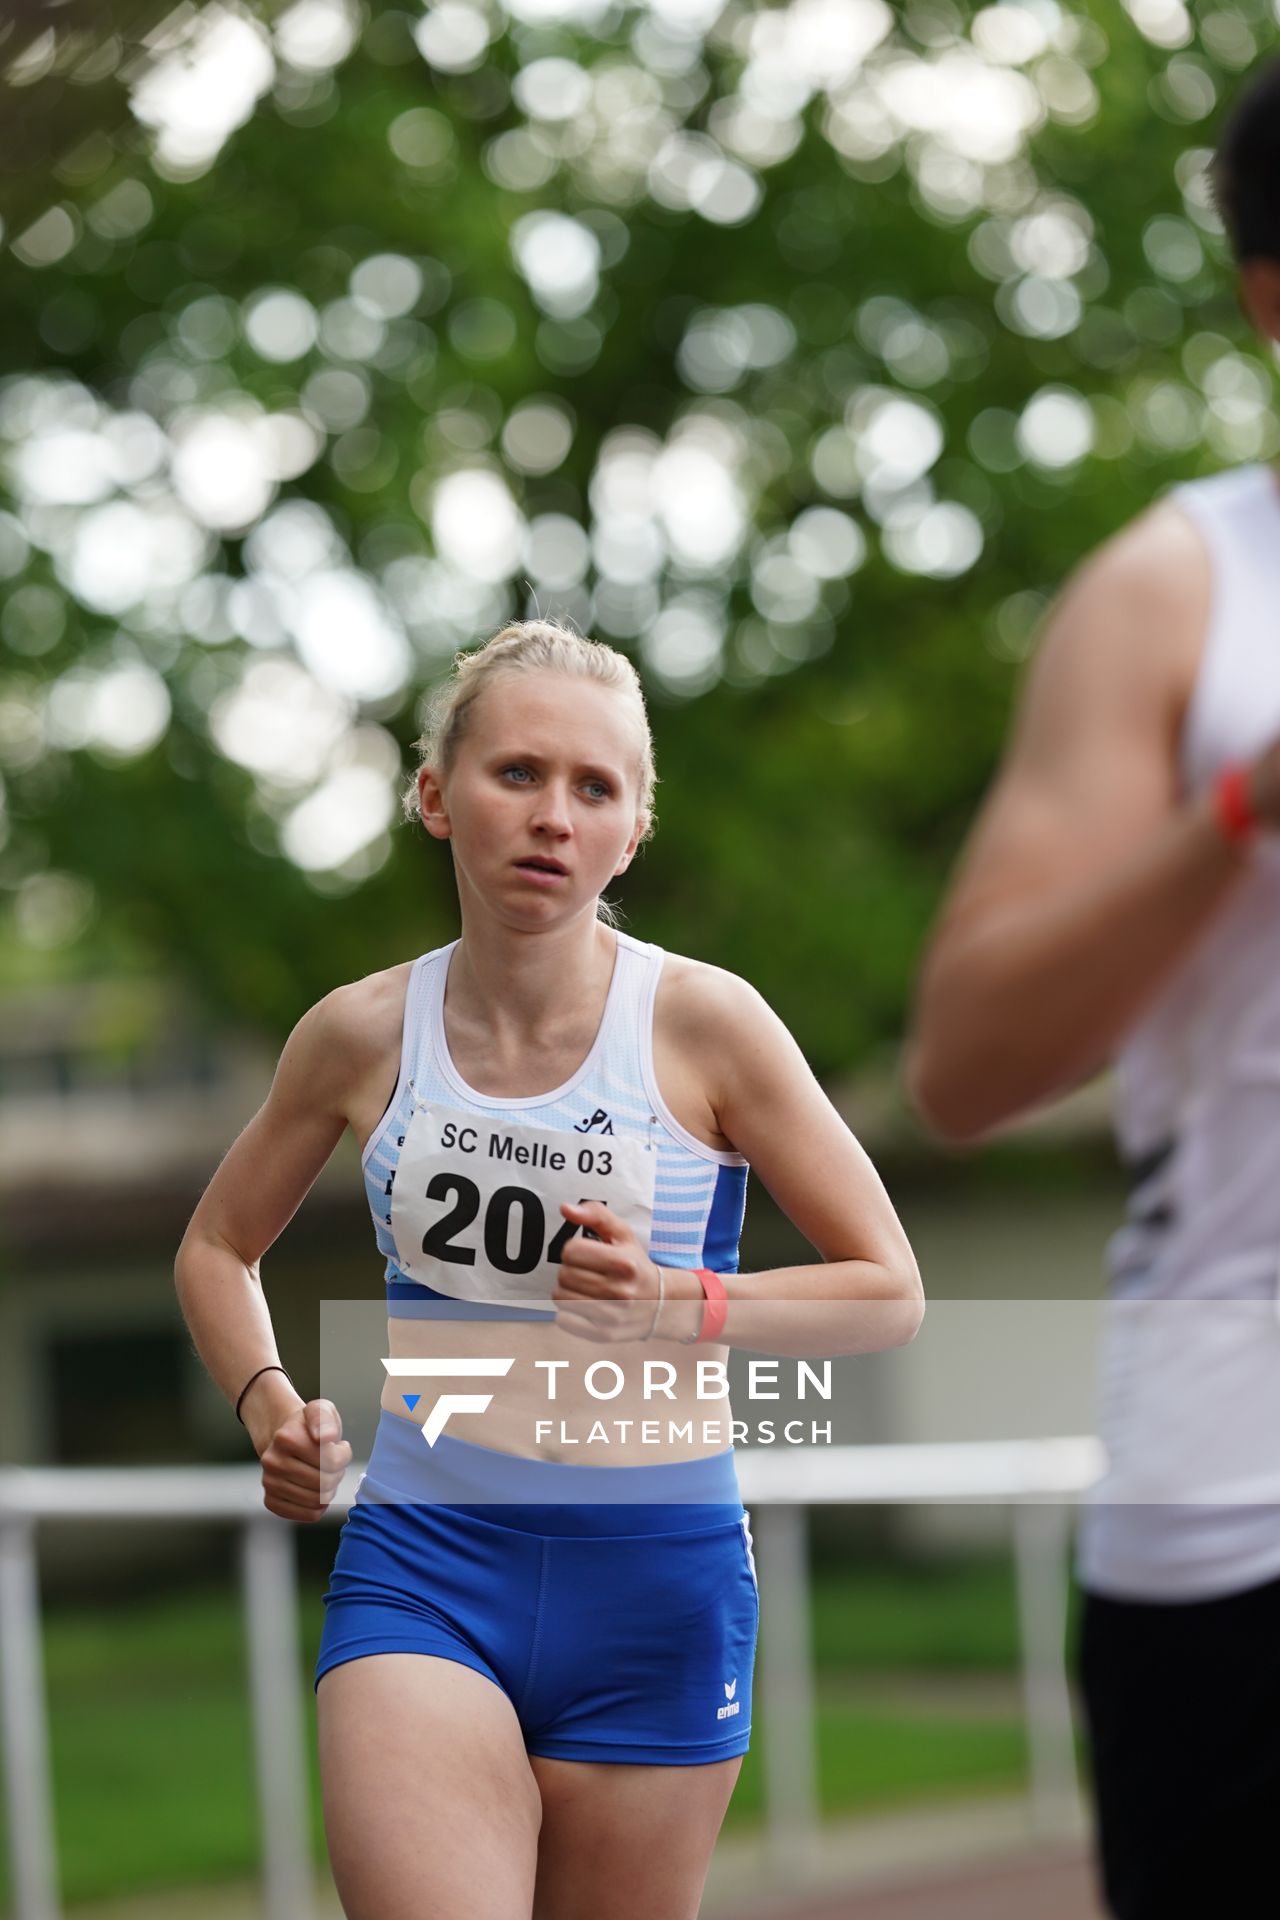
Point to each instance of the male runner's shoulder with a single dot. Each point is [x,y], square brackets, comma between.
[1092,762]
[1034,972]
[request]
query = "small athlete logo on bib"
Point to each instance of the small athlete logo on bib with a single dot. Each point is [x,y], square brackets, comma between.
[475,1207]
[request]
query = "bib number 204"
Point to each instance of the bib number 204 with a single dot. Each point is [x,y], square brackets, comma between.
[442,1240]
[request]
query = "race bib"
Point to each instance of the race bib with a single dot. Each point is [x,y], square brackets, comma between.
[475,1202]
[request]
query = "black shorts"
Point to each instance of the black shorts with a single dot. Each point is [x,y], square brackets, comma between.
[1183,1709]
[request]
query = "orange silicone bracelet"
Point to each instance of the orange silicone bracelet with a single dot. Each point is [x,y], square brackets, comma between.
[715,1307]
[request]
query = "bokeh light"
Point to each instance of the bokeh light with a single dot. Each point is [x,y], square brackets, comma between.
[719,330]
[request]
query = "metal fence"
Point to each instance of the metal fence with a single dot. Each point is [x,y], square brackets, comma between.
[1038,1479]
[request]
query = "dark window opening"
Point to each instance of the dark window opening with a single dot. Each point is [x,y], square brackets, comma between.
[119,1398]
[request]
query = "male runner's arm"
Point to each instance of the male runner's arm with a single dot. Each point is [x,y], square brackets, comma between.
[254,1194]
[1088,877]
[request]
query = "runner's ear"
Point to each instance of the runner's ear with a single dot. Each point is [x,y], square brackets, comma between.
[432,806]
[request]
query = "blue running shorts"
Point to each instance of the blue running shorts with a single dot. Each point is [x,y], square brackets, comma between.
[616,1607]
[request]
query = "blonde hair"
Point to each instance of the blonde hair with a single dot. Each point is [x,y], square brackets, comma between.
[529,646]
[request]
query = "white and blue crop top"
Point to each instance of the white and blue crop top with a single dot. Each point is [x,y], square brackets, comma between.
[465,1188]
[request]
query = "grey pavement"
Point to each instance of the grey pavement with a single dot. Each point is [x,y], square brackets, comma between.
[1049,1883]
[963,1861]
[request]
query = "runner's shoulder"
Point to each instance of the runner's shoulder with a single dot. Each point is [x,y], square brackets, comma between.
[349,1033]
[1153,572]
[706,1007]
[1136,610]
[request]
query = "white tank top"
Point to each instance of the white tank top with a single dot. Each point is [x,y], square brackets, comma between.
[465,1187]
[1190,1386]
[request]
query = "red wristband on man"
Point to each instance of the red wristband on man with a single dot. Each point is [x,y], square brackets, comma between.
[1233,807]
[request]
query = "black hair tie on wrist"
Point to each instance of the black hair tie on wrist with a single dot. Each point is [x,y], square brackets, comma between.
[272,1366]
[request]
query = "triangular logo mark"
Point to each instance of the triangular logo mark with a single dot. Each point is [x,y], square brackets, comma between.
[411,1400]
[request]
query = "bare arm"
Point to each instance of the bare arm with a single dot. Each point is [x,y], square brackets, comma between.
[250,1200]
[863,1293]
[1087,878]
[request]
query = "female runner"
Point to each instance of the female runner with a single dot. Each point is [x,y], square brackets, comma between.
[534,1682]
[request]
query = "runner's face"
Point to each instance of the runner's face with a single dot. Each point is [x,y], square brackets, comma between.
[540,802]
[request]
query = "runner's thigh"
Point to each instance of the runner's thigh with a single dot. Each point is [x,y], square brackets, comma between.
[631,1842]
[430,1808]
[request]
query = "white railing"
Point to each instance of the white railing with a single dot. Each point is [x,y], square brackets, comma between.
[1038,1479]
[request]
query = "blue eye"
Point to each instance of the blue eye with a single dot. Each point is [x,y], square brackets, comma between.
[598,790]
[509,773]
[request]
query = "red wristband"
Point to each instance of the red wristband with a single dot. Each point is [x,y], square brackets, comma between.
[715,1304]
[1233,806]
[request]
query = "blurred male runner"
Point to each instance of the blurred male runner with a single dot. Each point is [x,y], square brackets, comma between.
[1119,900]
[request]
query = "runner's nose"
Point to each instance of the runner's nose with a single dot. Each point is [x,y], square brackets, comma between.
[551,810]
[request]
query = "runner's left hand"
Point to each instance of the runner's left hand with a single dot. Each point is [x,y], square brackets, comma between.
[607,1287]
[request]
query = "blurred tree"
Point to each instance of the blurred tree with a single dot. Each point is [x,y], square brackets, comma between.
[799,349]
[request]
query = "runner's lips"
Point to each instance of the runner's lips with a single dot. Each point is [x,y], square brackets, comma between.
[539,864]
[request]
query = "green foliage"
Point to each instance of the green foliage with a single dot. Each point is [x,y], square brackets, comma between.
[995,221]
[148,1710]
[869,1760]
[939,1616]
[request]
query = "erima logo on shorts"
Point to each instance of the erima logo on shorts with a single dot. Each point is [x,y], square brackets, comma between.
[731,1705]
[434,1424]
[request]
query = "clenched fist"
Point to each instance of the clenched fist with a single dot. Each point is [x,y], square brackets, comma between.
[607,1288]
[303,1462]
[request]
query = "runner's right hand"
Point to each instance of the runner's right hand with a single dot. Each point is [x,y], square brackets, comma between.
[304,1461]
